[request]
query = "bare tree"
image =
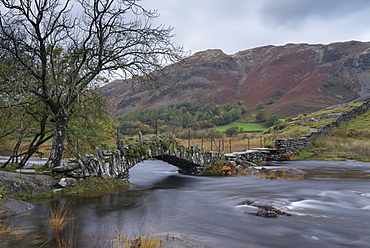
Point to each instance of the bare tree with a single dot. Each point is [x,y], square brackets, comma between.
[60,50]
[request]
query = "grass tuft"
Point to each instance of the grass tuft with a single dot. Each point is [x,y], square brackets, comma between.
[59,217]
[216,169]
[58,220]
[145,241]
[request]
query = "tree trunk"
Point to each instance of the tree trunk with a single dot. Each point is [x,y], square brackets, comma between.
[33,148]
[57,149]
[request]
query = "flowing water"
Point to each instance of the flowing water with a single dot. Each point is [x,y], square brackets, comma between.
[330,207]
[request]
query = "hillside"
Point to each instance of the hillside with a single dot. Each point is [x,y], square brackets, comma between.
[293,79]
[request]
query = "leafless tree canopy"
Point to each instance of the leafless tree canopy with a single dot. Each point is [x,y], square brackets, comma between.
[59,49]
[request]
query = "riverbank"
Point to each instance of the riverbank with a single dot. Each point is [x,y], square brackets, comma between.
[16,184]
[19,190]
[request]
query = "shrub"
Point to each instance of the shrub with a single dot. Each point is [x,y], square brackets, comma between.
[233,131]
[260,116]
[260,105]
[272,120]
[216,168]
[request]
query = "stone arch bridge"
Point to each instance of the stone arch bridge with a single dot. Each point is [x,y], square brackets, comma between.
[117,162]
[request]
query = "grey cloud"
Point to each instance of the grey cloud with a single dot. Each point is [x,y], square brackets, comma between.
[234,25]
[295,12]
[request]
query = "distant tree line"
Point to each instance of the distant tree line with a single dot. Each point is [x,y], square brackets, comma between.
[186,114]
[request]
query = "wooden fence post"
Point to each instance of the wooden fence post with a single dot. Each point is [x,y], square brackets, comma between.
[189,139]
[156,128]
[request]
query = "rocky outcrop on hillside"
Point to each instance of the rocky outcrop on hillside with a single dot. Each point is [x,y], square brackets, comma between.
[292,79]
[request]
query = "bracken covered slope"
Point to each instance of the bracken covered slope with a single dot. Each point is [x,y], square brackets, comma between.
[295,78]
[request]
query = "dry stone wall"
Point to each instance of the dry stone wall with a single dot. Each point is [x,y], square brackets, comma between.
[294,145]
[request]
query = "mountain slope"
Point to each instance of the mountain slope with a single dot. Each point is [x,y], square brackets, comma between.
[294,78]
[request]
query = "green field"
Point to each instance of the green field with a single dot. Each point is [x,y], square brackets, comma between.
[247,127]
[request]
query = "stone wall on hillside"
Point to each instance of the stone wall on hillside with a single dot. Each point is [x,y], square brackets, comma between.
[294,145]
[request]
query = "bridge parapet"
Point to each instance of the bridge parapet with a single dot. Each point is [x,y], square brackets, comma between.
[117,162]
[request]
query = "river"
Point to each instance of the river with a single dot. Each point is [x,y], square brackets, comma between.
[330,206]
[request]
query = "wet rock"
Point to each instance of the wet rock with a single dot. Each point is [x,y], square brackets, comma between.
[251,170]
[68,165]
[14,183]
[280,173]
[239,168]
[233,163]
[67,182]
[268,210]
[12,207]
[25,170]
[28,184]
[265,214]
[248,163]
[175,241]
[247,202]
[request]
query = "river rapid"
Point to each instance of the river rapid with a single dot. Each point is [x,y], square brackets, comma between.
[330,207]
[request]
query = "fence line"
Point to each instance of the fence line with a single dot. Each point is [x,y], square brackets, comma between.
[209,144]
[230,145]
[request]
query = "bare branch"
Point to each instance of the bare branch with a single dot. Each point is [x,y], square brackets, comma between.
[58,50]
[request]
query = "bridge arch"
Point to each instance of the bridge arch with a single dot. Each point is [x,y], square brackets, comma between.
[117,162]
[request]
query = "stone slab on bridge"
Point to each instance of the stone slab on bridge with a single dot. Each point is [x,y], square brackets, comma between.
[255,155]
[117,162]
[190,160]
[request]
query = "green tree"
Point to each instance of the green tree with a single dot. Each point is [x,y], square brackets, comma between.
[8,120]
[232,131]
[270,101]
[271,120]
[260,115]
[243,109]
[205,124]
[164,129]
[90,124]
[214,133]
[260,105]
[60,49]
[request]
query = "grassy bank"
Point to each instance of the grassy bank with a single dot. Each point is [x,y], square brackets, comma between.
[339,145]
[350,141]
[92,186]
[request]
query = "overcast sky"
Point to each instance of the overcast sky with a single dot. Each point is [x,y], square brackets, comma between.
[235,25]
